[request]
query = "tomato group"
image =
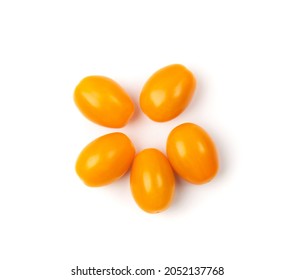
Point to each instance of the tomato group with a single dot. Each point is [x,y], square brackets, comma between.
[152,181]
[105,159]
[103,101]
[167,92]
[192,153]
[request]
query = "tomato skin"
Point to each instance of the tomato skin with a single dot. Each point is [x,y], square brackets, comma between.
[152,181]
[103,101]
[167,93]
[105,159]
[192,153]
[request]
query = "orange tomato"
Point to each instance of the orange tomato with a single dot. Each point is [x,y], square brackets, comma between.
[103,101]
[167,93]
[192,153]
[152,181]
[105,159]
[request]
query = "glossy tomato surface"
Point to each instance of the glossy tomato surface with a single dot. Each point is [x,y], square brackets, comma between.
[167,92]
[152,181]
[105,159]
[192,153]
[103,101]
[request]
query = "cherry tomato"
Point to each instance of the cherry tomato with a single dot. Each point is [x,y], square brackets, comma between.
[105,159]
[103,101]
[167,93]
[152,181]
[192,153]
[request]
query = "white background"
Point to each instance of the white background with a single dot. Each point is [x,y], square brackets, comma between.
[242,55]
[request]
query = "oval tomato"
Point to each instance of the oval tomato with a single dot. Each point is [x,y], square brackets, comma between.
[103,101]
[192,153]
[167,93]
[105,159]
[152,181]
